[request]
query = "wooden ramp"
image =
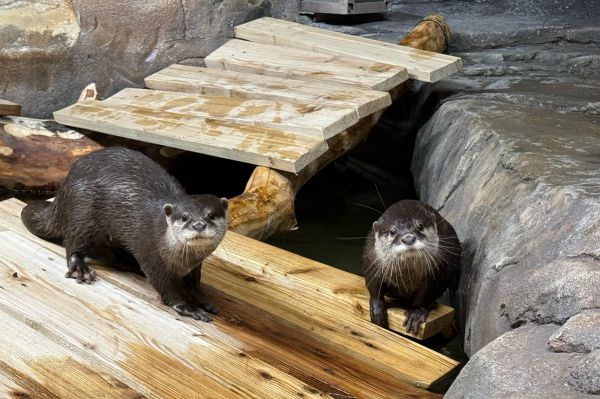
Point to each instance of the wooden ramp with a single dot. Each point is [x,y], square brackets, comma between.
[273,101]
[289,328]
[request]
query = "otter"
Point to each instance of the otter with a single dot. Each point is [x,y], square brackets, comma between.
[411,255]
[119,199]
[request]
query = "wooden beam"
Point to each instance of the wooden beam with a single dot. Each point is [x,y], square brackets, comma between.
[279,283]
[9,108]
[316,120]
[217,82]
[283,62]
[260,146]
[422,65]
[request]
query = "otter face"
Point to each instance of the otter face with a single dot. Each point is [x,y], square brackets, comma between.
[198,222]
[406,237]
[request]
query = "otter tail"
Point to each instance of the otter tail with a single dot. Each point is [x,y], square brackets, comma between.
[39,218]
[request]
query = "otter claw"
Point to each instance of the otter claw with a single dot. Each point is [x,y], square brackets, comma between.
[81,274]
[414,317]
[188,310]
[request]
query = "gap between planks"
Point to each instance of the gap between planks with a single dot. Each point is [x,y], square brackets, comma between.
[420,64]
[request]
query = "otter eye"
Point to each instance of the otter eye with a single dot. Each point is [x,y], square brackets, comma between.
[393,232]
[185,217]
[420,227]
[211,215]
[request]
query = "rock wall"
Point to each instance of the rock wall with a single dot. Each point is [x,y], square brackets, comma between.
[51,49]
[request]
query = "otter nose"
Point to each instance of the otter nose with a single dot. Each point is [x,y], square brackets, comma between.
[199,225]
[409,239]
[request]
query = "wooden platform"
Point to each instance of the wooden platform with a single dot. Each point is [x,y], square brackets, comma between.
[287,328]
[271,101]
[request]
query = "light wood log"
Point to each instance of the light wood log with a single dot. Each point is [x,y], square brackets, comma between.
[37,154]
[281,62]
[422,65]
[330,350]
[9,108]
[260,146]
[316,120]
[217,82]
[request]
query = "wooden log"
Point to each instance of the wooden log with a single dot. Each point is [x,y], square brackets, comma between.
[296,335]
[37,154]
[9,108]
[422,65]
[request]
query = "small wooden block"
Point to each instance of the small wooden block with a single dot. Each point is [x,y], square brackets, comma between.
[259,146]
[9,108]
[420,64]
[316,120]
[290,63]
[217,82]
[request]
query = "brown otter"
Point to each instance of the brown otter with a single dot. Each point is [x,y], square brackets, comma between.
[121,199]
[411,255]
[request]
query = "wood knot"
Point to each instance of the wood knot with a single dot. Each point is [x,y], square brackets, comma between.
[265,375]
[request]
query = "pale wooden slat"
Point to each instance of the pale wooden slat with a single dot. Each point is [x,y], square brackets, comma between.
[420,64]
[260,146]
[315,120]
[312,361]
[289,63]
[343,291]
[216,82]
[9,108]
[147,344]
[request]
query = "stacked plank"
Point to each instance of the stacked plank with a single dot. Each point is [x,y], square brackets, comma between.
[273,101]
[284,331]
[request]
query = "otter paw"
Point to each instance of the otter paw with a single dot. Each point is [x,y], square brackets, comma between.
[414,317]
[200,301]
[81,273]
[192,311]
[209,307]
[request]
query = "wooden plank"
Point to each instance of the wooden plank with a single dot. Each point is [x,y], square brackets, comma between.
[420,64]
[145,344]
[260,146]
[265,337]
[9,108]
[289,63]
[317,120]
[215,82]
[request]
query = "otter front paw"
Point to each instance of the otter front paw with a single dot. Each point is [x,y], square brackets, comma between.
[414,317]
[185,309]
[79,270]
[378,313]
[199,300]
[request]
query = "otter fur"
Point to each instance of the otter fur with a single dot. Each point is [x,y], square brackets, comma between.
[120,199]
[411,255]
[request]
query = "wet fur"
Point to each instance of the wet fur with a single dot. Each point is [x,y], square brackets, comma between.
[413,279]
[115,198]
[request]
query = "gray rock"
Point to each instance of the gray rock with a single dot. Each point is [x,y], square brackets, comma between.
[520,184]
[50,56]
[517,365]
[581,333]
[585,374]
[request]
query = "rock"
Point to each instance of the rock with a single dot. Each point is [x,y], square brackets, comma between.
[517,365]
[520,185]
[579,334]
[51,49]
[585,376]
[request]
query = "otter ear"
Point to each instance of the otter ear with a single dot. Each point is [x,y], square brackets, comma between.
[224,203]
[168,209]
[376,225]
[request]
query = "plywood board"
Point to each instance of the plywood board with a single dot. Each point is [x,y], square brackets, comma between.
[218,82]
[290,63]
[422,65]
[9,108]
[317,120]
[260,146]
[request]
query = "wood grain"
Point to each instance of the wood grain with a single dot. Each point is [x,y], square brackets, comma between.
[420,64]
[9,108]
[260,146]
[339,354]
[217,82]
[316,120]
[289,63]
